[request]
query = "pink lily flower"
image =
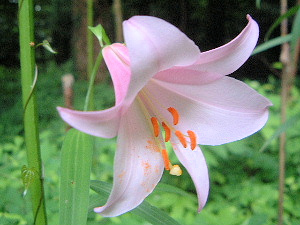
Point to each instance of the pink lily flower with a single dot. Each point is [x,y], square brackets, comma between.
[166,90]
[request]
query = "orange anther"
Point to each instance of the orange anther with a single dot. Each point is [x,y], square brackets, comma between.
[155,125]
[193,139]
[175,115]
[181,138]
[166,159]
[167,132]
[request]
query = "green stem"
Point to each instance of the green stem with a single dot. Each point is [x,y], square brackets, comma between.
[27,58]
[90,44]
[88,99]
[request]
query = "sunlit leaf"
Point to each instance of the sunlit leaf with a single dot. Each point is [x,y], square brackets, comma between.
[76,160]
[284,127]
[272,43]
[144,210]
[172,189]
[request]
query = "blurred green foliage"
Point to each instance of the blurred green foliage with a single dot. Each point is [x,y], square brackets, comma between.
[243,180]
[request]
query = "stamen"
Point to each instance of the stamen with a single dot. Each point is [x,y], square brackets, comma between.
[155,125]
[193,139]
[181,138]
[167,132]
[166,159]
[176,170]
[175,115]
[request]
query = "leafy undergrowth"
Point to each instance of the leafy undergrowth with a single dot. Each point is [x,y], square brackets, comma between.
[244,180]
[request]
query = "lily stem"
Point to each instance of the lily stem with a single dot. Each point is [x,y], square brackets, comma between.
[27,58]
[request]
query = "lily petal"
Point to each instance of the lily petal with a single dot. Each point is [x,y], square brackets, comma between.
[138,164]
[155,45]
[219,112]
[103,123]
[117,60]
[187,75]
[194,162]
[228,58]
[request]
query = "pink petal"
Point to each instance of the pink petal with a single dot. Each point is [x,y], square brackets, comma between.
[228,58]
[117,60]
[179,75]
[155,45]
[194,162]
[138,164]
[219,112]
[99,123]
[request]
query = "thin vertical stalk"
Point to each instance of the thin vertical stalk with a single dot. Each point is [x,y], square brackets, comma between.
[285,59]
[89,96]
[27,58]
[117,8]
[90,44]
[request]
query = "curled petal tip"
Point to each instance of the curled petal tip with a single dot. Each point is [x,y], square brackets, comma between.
[98,209]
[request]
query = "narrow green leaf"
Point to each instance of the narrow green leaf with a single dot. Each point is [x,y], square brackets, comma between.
[295,32]
[258,4]
[100,34]
[145,210]
[76,160]
[289,123]
[288,14]
[172,189]
[272,43]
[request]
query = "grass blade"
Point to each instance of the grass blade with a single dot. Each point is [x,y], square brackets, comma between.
[288,14]
[272,43]
[289,123]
